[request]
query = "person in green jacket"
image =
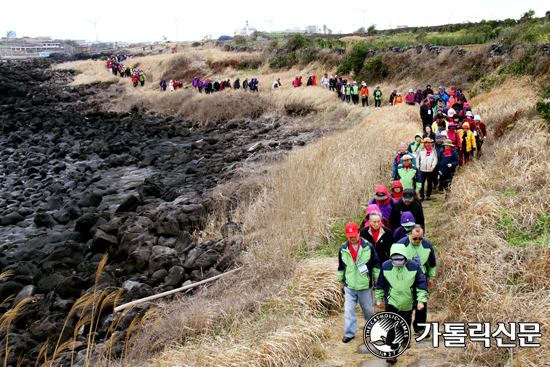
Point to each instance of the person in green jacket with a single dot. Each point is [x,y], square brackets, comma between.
[401,286]
[358,269]
[420,250]
[407,174]
[348,92]
[377,97]
[355,93]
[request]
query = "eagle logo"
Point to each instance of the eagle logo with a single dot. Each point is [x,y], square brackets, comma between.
[386,335]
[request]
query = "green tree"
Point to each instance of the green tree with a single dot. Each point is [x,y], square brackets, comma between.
[371,31]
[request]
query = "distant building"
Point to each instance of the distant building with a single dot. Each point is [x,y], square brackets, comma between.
[402,26]
[246,31]
[312,29]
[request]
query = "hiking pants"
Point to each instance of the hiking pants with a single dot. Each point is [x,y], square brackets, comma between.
[426,176]
[445,180]
[377,102]
[355,99]
[364,297]
[407,315]
[365,101]
[420,317]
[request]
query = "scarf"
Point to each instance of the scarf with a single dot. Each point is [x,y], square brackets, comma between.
[375,234]
[397,195]
[448,152]
[353,251]
[428,151]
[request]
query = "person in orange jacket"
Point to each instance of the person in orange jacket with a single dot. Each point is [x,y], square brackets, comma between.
[364,94]
[398,99]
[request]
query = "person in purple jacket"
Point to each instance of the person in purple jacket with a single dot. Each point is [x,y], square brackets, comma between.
[383,200]
[418,96]
[407,222]
[195,82]
[200,84]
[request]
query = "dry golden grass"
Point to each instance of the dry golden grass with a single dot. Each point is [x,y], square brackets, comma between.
[493,265]
[281,333]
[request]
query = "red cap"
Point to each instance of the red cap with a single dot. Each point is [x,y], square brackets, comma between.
[352,230]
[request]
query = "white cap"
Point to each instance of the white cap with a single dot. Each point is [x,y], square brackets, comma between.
[477,117]
[468,113]
[451,112]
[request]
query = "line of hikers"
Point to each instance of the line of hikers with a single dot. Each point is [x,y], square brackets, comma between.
[214,85]
[115,66]
[387,259]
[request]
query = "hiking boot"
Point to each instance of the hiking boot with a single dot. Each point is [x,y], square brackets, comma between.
[422,198]
[347,339]
[428,198]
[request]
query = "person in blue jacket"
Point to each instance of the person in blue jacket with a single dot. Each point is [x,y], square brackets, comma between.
[448,160]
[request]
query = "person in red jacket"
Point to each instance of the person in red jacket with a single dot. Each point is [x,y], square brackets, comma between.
[313,80]
[396,190]
[481,134]
[135,81]
[300,81]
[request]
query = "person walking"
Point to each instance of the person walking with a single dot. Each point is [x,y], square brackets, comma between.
[414,147]
[348,92]
[408,175]
[449,160]
[480,134]
[427,91]
[237,84]
[276,83]
[358,269]
[377,97]
[355,93]
[398,99]
[245,84]
[427,161]
[407,223]
[402,150]
[325,81]
[195,82]
[401,287]
[467,144]
[309,82]
[364,94]
[142,79]
[409,97]
[383,201]
[396,191]
[200,85]
[421,251]
[379,236]
[313,81]
[408,203]
[418,98]
[426,113]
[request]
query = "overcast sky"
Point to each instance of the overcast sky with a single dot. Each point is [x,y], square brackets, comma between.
[140,20]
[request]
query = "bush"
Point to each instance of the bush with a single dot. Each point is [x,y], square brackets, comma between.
[195,44]
[354,60]
[297,42]
[544,109]
[239,40]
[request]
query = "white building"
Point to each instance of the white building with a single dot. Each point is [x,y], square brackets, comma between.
[246,31]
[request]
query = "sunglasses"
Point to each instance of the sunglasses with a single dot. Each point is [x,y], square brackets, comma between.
[416,238]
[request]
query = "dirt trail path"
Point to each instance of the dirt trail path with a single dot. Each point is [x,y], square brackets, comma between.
[355,354]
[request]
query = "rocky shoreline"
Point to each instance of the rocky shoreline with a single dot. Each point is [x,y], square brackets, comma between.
[77,182]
